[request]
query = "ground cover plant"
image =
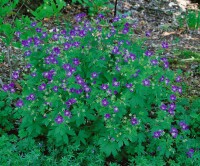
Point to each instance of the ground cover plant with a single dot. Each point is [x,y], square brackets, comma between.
[92,94]
[192,19]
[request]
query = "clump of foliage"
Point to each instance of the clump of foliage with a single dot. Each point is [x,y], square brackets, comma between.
[191,18]
[93,86]
[48,9]
[95,6]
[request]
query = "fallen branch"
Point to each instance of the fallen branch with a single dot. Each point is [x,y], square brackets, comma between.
[1,82]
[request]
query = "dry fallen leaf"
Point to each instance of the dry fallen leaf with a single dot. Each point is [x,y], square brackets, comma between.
[2,64]
[173,33]
[46,19]
[18,85]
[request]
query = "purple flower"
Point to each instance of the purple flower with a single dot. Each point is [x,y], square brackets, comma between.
[63,32]
[55,88]
[55,36]
[104,102]
[171,111]
[174,88]
[167,80]
[109,92]
[134,121]
[148,34]
[117,68]
[129,85]
[42,87]
[190,153]
[166,65]
[101,16]
[162,79]
[125,30]
[183,125]
[154,62]
[149,53]
[17,34]
[15,75]
[179,90]
[56,50]
[76,44]
[33,74]
[115,50]
[59,119]
[104,86]
[33,24]
[79,91]
[107,116]
[28,66]
[164,59]
[82,33]
[69,74]
[174,132]
[66,66]
[37,41]
[172,106]
[174,135]
[126,25]
[178,79]
[79,17]
[11,85]
[94,75]
[27,53]
[71,102]
[44,34]
[116,109]
[87,89]
[38,30]
[80,81]
[157,134]
[76,61]
[163,107]
[172,97]
[31,97]
[146,82]
[67,46]
[165,45]
[19,103]
[132,56]
[12,90]
[5,87]
[115,83]
[67,113]
[116,19]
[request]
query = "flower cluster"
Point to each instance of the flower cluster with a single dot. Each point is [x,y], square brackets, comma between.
[9,87]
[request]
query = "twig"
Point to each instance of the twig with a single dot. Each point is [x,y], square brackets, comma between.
[115,12]
[9,62]
[1,82]
[17,13]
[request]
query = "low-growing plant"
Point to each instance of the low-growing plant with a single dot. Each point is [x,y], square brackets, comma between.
[191,18]
[95,6]
[96,86]
[7,122]
[48,9]
[7,8]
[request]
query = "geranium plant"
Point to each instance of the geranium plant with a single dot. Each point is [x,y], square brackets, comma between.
[97,85]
